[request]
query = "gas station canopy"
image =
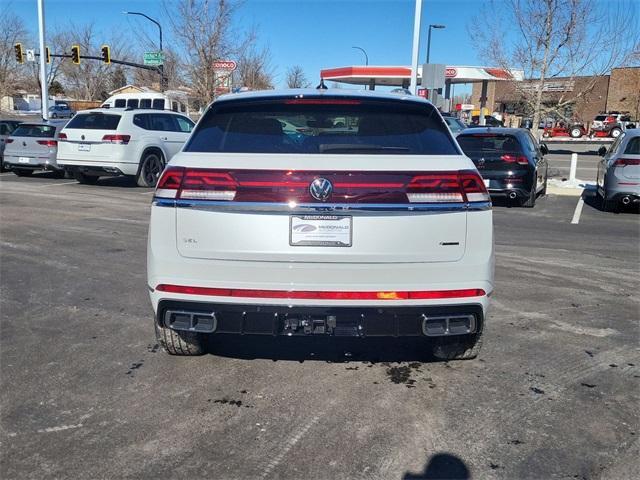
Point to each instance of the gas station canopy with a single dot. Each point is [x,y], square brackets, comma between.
[400,76]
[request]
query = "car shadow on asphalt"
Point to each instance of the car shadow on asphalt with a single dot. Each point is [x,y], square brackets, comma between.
[322,348]
[441,466]
[593,200]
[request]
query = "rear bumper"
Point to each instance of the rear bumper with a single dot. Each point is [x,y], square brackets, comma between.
[98,167]
[247,319]
[35,163]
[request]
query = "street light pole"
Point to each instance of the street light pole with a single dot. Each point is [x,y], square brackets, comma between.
[413,87]
[44,93]
[429,39]
[366,57]
[160,67]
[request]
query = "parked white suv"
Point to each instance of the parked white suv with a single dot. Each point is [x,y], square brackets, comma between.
[115,141]
[382,228]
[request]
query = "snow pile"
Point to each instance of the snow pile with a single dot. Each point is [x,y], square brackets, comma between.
[565,183]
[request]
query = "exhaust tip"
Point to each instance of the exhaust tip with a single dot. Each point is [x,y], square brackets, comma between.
[513,195]
[626,200]
[202,322]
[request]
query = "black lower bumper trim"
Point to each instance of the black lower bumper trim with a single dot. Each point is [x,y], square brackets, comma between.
[338,321]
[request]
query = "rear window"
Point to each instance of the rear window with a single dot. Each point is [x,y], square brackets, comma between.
[633,147]
[489,145]
[27,130]
[312,125]
[94,121]
[600,118]
[120,103]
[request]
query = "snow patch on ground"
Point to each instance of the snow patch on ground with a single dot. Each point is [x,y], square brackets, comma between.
[564,183]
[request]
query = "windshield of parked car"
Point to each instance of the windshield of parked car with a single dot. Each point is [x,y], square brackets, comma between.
[94,121]
[323,125]
[32,130]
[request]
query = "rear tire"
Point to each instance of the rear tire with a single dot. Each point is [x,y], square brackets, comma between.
[575,132]
[23,172]
[58,174]
[615,132]
[179,343]
[531,199]
[150,169]
[85,179]
[463,347]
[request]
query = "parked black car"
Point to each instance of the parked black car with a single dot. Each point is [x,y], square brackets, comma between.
[510,161]
[488,120]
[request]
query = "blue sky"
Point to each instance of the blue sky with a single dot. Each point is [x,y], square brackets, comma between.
[311,33]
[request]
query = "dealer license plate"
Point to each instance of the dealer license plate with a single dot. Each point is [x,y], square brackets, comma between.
[320,230]
[24,159]
[84,147]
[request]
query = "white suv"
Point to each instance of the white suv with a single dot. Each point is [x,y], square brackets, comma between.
[121,142]
[365,220]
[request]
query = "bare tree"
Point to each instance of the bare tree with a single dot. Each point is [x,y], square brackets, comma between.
[91,79]
[254,69]
[296,78]
[172,72]
[56,43]
[12,31]
[555,39]
[206,32]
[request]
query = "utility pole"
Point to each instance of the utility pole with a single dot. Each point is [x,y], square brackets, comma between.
[413,87]
[43,64]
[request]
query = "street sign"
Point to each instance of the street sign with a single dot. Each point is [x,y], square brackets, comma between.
[31,56]
[153,58]
[225,65]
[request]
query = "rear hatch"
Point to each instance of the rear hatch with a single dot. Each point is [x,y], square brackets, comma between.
[385,183]
[498,157]
[627,165]
[90,137]
[31,143]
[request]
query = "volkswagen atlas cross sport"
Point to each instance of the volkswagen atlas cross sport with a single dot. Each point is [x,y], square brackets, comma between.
[367,220]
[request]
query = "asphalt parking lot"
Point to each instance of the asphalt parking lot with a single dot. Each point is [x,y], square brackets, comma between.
[86,393]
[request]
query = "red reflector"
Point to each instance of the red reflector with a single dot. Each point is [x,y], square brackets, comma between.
[321,101]
[48,143]
[62,136]
[623,162]
[118,139]
[321,295]
[9,140]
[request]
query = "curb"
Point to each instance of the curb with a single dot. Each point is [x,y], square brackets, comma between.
[570,192]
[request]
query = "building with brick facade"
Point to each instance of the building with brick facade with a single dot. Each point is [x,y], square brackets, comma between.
[587,96]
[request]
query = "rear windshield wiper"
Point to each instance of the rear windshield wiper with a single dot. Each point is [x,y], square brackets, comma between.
[350,148]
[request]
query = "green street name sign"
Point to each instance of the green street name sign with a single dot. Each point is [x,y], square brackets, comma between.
[153,58]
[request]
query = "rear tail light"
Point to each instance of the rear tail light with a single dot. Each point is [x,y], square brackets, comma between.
[519,159]
[117,139]
[9,140]
[292,187]
[62,136]
[623,162]
[48,143]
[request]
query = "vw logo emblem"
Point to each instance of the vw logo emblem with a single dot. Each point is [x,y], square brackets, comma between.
[321,189]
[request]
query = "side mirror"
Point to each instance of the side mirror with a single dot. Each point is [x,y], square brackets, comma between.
[544,149]
[602,151]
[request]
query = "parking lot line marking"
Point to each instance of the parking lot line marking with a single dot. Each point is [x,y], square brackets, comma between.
[578,211]
[146,193]
[5,174]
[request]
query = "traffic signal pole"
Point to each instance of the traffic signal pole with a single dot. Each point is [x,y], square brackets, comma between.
[44,84]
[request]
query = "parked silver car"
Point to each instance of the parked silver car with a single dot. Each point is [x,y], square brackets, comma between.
[31,147]
[60,111]
[619,171]
[6,128]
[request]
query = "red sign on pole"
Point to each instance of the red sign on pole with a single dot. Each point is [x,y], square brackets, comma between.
[422,92]
[229,65]
[450,72]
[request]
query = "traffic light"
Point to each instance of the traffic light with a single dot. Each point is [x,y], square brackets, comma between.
[75,54]
[48,54]
[18,49]
[106,54]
